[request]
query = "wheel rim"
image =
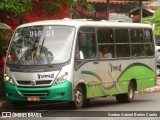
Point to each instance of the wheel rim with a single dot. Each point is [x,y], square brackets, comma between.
[78,97]
[131,92]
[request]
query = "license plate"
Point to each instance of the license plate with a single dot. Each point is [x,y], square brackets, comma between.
[33,98]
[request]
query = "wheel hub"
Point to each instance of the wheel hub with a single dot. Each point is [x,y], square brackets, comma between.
[78,97]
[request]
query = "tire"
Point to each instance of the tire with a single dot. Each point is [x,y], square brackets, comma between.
[78,98]
[126,97]
[19,105]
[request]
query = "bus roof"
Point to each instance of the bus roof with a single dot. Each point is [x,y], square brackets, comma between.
[84,22]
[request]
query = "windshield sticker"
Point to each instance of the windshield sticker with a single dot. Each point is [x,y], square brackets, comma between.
[34,33]
[50,33]
[37,33]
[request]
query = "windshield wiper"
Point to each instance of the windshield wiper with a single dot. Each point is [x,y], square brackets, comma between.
[47,58]
[42,45]
[38,50]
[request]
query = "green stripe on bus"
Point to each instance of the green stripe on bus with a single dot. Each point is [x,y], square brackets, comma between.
[144,76]
[92,73]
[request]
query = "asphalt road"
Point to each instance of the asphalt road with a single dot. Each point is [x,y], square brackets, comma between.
[148,102]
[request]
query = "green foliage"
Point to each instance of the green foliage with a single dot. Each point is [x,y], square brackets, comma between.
[16,6]
[51,7]
[55,6]
[73,4]
[154,20]
[5,35]
[19,8]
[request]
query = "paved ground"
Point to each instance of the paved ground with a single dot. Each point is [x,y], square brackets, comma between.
[4,103]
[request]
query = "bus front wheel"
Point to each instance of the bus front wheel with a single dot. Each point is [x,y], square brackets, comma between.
[78,98]
[126,97]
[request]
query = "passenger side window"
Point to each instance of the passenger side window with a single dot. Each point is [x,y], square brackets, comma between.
[106,51]
[121,36]
[137,50]
[149,48]
[106,47]
[147,36]
[86,48]
[123,50]
[122,43]
[148,39]
[136,36]
[105,35]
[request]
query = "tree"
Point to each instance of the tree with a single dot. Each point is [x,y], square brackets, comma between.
[51,7]
[5,36]
[14,8]
[154,20]
[74,3]
[10,9]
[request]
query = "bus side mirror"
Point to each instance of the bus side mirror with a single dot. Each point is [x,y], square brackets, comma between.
[82,40]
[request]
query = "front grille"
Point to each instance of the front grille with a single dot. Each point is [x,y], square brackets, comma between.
[38,82]
[35,93]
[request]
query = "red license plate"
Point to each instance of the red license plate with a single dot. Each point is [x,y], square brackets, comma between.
[33,98]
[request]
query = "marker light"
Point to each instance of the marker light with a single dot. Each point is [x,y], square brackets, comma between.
[61,78]
[7,78]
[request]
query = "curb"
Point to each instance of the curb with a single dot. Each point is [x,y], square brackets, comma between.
[152,89]
[149,90]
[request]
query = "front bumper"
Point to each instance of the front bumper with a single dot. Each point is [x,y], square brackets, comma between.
[59,92]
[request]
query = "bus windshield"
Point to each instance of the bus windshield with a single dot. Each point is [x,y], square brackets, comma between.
[41,45]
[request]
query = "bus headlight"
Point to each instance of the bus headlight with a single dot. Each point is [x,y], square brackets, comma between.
[8,79]
[61,78]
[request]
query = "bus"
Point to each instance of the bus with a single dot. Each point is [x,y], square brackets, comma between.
[78,60]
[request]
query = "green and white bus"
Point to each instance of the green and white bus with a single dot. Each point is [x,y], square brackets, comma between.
[78,60]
